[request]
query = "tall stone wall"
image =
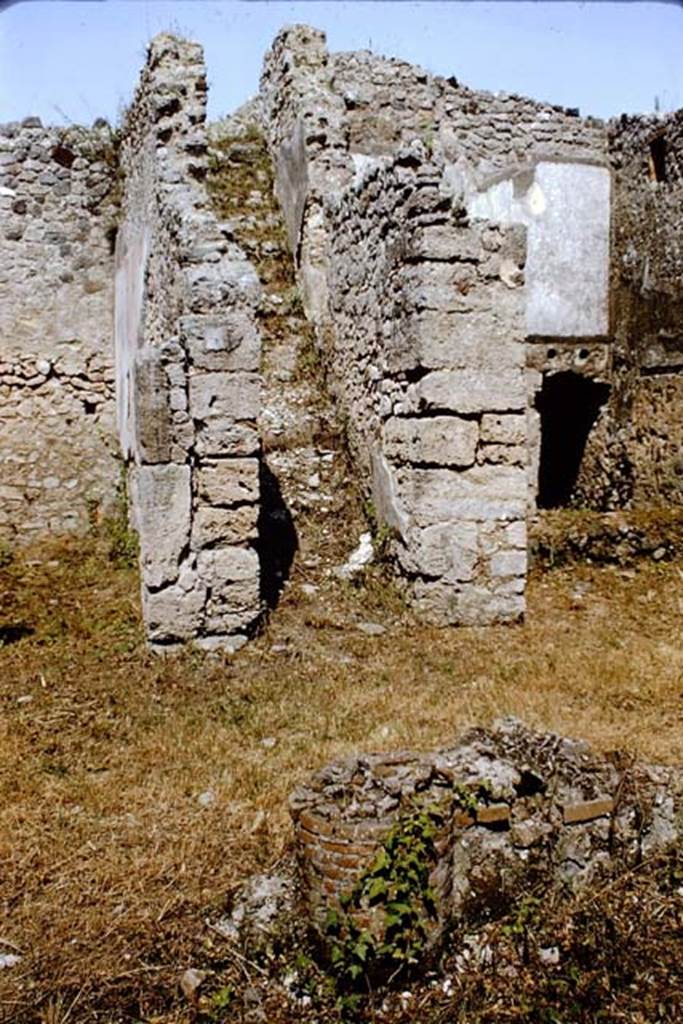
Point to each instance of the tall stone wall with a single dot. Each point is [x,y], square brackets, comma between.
[426,359]
[58,204]
[635,455]
[533,181]
[328,115]
[187,352]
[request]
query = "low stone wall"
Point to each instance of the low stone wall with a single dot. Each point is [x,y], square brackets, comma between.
[519,811]
[58,203]
[425,357]
[188,350]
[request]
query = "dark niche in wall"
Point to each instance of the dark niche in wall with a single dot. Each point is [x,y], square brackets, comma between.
[657,159]
[569,405]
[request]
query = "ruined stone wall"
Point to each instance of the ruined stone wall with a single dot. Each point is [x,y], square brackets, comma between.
[635,456]
[388,102]
[426,359]
[517,809]
[333,118]
[328,115]
[188,351]
[58,204]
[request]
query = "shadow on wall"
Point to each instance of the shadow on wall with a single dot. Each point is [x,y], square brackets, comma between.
[277,542]
[569,406]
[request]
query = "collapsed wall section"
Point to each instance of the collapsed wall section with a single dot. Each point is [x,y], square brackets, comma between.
[511,808]
[426,361]
[58,203]
[187,354]
[635,454]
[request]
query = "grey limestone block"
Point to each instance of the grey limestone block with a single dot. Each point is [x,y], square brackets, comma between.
[477,494]
[153,430]
[221,436]
[229,481]
[439,440]
[507,429]
[471,391]
[509,563]
[232,575]
[224,395]
[473,605]
[212,526]
[162,502]
[173,614]
[226,340]
[445,550]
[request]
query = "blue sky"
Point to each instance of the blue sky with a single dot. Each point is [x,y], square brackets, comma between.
[74,60]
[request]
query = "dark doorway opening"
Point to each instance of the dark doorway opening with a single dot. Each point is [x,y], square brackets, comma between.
[569,405]
[277,543]
[658,159]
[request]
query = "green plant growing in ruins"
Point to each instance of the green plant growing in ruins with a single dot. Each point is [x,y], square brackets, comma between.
[382,533]
[123,541]
[395,889]
[526,915]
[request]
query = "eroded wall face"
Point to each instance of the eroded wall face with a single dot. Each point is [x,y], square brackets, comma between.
[188,352]
[427,364]
[642,434]
[58,204]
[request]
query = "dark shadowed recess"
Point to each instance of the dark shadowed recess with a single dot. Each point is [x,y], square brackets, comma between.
[10,634]
[569,405]
[277,541]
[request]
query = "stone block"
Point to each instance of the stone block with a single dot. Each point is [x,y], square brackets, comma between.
[224,437]
[446,550]
[388,505]
[516,534]
[504,429]
[223,566]
[441,440]
[483,339]
[503,454]
[174,613]
[213,526]
[478,493]
[471,391]
[587,810]
[495,816]
[227,481]
[224,341]
[443,604]
[224,395]
[445,242]
[161,502]
[232,575]
[509,563]
[152,412]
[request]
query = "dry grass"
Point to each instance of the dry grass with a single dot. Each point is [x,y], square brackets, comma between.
[137,793]
[109,860]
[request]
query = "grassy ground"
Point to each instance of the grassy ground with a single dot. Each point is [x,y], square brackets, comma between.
[136,793]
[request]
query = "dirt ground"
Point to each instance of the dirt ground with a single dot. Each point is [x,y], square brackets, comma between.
[137,792]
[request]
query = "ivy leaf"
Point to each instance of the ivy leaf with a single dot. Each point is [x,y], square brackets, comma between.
[377,888]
